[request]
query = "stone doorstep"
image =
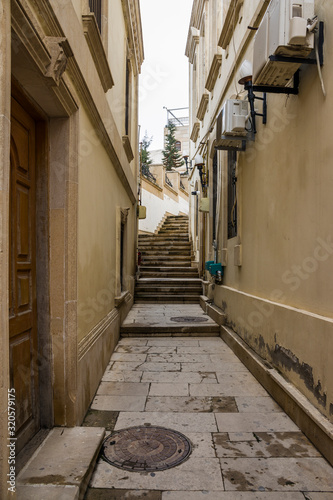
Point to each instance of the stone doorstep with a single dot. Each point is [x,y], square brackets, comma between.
[62,466]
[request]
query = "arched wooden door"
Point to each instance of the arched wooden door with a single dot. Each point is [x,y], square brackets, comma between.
[23,342]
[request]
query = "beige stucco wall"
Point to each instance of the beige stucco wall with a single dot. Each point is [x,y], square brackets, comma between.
[100,193]
[276,292]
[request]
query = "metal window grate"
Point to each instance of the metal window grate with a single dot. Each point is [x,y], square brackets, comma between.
[96,7]
[232,194]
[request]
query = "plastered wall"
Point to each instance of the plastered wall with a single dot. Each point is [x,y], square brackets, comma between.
[277,292]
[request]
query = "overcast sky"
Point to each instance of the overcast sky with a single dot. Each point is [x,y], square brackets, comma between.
[164,75]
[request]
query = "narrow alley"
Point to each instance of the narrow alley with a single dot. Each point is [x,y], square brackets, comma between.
[166,250]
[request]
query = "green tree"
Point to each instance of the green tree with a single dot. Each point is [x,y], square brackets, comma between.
[171,156]
[145,154]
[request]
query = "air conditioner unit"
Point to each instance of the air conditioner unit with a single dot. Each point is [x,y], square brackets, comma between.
[231,123]
[282,32]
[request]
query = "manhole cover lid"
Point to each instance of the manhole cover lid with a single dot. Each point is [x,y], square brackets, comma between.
[146,449]
[189,319]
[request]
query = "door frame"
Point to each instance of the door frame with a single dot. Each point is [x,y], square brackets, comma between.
[42,255]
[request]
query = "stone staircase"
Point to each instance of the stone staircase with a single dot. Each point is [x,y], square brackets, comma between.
[166,272]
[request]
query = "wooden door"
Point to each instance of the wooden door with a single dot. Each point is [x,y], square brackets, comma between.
[22,276]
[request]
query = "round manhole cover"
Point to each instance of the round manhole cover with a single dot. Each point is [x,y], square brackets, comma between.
[189,319]
[146,449]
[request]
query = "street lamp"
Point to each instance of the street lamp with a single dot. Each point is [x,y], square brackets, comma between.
[185,156]
[199,163]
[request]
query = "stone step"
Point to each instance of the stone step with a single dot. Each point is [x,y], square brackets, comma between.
[196,330]
[160,237]
[175,226]
[168,290]
[165,244]
[166,299]
[166,251]
[155,263]
[166,256]
[185,269]
[61,467]
[162,274]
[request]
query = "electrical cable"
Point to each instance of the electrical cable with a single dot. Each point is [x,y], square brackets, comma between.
[319,70]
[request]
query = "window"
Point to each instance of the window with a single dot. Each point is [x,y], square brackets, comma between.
[214,194]
[232,194]
[178,145]
[122,238]
[128,98]
[96,7]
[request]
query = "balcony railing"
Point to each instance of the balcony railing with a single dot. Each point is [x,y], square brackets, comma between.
[167,181]
[148,175]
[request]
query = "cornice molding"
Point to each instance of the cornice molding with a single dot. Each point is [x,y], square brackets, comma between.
[203,106]
[38,36]
[132,15]
[230,23]
[128,148]
[95,44]
[194,42]
[195,131]
[195,22]
[213,72]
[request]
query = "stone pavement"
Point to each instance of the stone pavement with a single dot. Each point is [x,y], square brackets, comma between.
[244,446]
[168,320]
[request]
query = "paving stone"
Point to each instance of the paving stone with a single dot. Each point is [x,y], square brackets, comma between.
[169,389]
[242,377]
[122,389]
[112,494]
[231,367]
[160,367]
[202,444]
[191,404]
[229,495]
[173,342]
[240,436]
[119,366]
[132,349]
[249,404]
[162,350]
[97,418]
[277,474]
[194,474]
[49,492]
[137,342]
[203,367]
[182,422]
[230,388]
[204,349]
[119,403]
[224,356]
[125,356]
[122,376]
[178,358]
[180,377]
[255,422]
[266,444]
